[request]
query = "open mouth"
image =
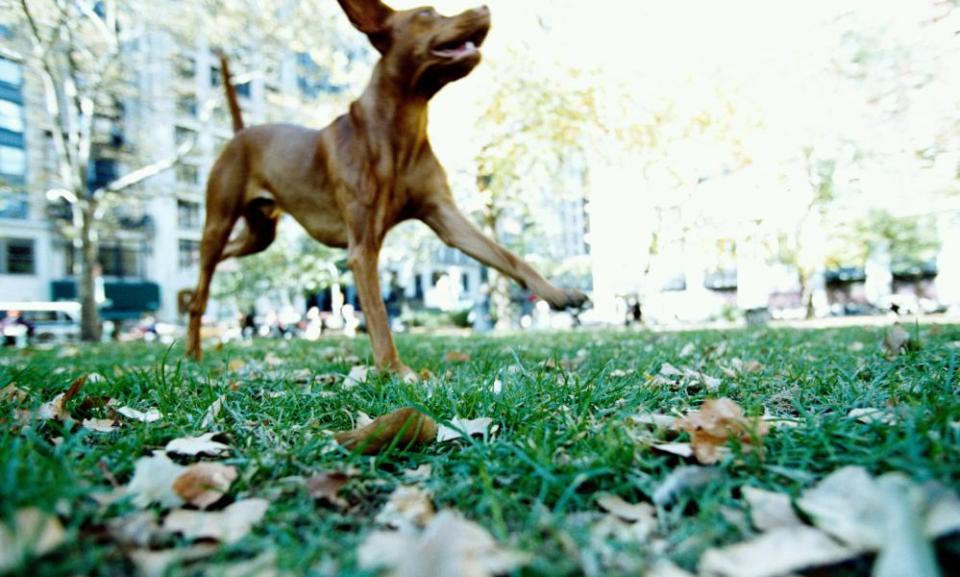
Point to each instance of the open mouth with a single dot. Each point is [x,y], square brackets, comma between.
[461,47]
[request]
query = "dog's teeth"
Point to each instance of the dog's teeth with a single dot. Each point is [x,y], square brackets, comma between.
[471,45]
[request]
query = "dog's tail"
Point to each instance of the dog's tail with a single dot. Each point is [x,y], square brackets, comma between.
[235,112]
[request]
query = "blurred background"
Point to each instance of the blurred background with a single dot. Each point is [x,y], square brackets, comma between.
[686,163]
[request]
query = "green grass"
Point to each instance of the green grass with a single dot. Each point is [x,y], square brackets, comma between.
[562,436]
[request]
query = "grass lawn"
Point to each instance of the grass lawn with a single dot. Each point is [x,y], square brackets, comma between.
[563,436]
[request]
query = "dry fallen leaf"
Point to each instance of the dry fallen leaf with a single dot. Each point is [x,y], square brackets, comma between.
[469,428]
[654,419]
[769,510]
[135,530]
[450,546]
[896,340]
[273,360]
[203,484]
[456,357]
[56,409]
[194,446]
[158,563]
[775,553]
[227,526]
[869,415]
[326,486]
[683,480]
[100,425]
[236,365]
[679,449]
[627,511]
[151,415]
[402,428]
[687,350]
[357,376]
[421,473]
[213,411]
[13,394]
[34,534]
[152,481]
[407,505]
[717,421]
[850,505]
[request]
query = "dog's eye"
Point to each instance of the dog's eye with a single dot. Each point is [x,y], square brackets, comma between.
[427,13]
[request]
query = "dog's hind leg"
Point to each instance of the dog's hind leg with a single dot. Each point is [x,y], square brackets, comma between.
[260,219]
[224,194]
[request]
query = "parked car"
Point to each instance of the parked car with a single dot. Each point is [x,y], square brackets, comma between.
[39,322]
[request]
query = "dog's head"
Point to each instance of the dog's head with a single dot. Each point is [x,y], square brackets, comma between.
[422,47]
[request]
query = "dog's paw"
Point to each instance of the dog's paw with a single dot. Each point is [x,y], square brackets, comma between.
[571,299]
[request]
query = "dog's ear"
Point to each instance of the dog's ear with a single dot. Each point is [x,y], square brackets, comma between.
[367,16]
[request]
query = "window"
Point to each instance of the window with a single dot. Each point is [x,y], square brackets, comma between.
[11,116]
[187,106]
[10,72]
[189,254]
[183,135]
[13,161]
[188,214]
[18,257]
[186,67]
[188,174]
[13,204]
[215,76]
[119,261]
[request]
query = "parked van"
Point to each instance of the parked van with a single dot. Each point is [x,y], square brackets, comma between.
[39,322]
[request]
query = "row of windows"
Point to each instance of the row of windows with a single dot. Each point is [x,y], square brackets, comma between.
[17,257]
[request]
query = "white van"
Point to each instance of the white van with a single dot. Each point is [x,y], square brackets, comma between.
[52,322]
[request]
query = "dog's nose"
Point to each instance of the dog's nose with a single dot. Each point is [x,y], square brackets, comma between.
[484,8]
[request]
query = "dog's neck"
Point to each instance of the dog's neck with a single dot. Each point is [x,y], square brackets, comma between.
[391,109]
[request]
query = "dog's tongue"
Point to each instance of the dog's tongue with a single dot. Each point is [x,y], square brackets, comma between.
[467,47]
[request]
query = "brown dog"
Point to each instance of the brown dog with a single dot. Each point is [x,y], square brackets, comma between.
[372,168]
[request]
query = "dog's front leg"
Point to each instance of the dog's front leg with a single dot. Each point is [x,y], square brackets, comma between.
[456,230]
[363,259]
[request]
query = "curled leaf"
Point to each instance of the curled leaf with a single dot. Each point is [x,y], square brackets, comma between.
[402,428]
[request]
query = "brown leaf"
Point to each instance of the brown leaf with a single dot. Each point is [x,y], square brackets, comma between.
[227,526]
[717,421]
[326,486]
[456,357]
[203,484]
[402,428]
[13,394]
[56,409]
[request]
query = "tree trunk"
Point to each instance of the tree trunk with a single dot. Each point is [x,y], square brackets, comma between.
[90,327]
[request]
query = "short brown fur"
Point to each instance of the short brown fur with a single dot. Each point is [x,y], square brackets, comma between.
[369,170]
